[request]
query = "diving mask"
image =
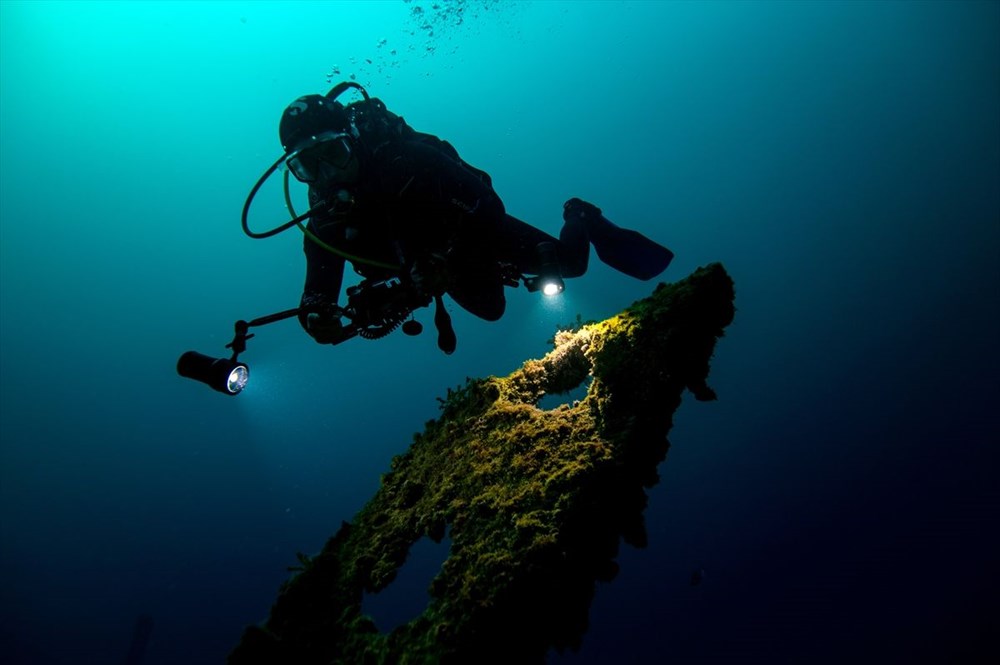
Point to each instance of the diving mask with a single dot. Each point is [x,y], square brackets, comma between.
[327,154]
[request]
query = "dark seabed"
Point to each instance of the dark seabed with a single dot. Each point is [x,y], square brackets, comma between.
[841,159]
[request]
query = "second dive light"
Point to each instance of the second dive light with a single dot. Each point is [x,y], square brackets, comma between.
[549,280]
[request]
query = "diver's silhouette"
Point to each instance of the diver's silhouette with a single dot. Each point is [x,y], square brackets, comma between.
[397,203]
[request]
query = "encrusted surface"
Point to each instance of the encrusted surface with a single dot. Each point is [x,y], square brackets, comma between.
[535,502]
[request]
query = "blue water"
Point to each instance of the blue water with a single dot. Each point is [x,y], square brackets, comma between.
[841,159]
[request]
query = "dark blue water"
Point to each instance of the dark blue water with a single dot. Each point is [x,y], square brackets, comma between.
[842,160]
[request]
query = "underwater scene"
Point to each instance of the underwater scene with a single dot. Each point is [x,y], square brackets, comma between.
[305,356]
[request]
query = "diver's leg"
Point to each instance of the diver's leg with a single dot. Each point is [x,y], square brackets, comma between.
[626,251]
[574,248]
[518,244]
[484,299]
[476,285]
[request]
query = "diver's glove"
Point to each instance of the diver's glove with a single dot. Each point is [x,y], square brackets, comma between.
[324,329]
[429,275]
[321,318]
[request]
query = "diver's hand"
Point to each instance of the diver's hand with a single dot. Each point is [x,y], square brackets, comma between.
[430,275]
[320,317]
[324,328]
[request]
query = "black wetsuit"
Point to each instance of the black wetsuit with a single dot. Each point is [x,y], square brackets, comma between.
[414,198]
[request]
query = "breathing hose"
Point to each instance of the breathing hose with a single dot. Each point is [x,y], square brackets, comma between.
[388,325]
[297,221]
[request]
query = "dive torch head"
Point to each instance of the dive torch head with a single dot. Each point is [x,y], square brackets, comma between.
[549,280]
[225,375]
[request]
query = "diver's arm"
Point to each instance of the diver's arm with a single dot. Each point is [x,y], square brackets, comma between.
[324,276]
[324,271]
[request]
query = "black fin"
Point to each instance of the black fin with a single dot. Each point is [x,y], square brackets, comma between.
[627,251]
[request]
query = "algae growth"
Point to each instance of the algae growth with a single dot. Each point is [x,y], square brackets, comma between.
[535,502]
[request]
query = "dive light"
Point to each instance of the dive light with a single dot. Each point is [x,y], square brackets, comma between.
[549,280]
[229,376]
[226,375]
[553,287]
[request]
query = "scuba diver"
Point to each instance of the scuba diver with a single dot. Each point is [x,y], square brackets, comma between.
[402,205]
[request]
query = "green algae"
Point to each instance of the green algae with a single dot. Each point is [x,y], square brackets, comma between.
[535,502]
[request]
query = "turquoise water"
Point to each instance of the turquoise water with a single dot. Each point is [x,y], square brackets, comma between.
[841,159]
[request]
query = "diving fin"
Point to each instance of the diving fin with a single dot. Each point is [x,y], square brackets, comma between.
[626,251]
[631,253]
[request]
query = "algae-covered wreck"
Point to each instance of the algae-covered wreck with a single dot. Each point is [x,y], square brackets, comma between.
[535,502]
